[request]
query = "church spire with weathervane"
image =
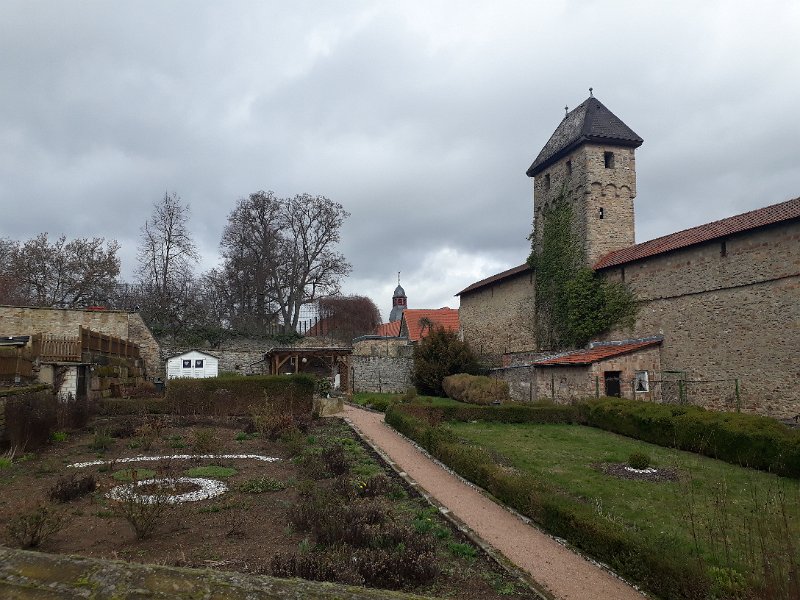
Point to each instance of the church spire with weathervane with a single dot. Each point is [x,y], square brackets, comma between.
[399,302]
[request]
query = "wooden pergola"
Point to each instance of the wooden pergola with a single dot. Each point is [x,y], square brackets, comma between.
[304,360]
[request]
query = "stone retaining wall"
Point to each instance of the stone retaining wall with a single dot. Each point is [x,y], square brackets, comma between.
[37,576]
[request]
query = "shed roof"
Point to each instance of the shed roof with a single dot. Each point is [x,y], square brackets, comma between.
[192,350]
[597,353]
[769,215]
[589,122]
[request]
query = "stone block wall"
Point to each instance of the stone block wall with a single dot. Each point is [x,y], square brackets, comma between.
[384,346]
[499,317]
[727,310]
[590,186]
[384,374]
[26,320]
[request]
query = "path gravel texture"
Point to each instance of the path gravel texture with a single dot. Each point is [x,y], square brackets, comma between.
[563,573]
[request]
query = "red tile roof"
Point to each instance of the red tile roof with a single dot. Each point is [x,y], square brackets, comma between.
[592,355]
[388,329]
[717,229]
[440,317]
[523,268]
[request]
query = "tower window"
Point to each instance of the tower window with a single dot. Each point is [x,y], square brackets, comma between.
[601,212]
[723,249]
[608,159]
[569,167]
[547,181]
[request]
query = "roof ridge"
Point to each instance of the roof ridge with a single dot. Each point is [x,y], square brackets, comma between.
[738,223]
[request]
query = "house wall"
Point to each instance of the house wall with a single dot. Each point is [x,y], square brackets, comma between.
[16,320]
[725,316]
[499,318]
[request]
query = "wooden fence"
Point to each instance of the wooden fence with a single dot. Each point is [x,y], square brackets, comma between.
[66,348]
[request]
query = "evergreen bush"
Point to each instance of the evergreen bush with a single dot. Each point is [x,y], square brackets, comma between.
[438,355]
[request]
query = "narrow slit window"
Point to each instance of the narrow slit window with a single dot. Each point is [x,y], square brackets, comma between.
[723,249]
[608,158]
[569,167]
[547,181]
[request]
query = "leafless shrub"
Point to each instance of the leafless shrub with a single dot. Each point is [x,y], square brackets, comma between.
[29,530]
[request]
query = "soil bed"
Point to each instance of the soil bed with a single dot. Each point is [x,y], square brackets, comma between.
[238,530]
[623,471]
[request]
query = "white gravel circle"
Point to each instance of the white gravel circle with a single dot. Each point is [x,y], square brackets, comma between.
[130,459]
[209,488]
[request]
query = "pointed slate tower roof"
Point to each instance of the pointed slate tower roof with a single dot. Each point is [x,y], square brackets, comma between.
[589,122]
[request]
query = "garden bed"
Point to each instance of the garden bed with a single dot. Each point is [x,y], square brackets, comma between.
[278,512]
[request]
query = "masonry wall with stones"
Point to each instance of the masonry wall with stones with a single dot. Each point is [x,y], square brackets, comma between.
[15,320]
[728,309]
[243,356]
[384,374]
[589,186]
[499,317]
[571,384]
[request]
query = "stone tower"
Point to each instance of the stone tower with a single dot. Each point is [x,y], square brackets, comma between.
[590,160]
[399,302]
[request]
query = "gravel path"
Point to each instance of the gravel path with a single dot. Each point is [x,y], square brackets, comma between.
[563,573]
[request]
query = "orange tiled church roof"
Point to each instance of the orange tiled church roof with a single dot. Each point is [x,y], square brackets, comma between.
[440,317]
[768,215]
[388,329]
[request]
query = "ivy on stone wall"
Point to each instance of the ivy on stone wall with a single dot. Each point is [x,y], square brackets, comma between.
[573,303]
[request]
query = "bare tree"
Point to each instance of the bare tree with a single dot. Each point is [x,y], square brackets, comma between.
[166,257]
[280,254]
[68,274]
[309,267]
[347,317]
[10,288]
[250,246]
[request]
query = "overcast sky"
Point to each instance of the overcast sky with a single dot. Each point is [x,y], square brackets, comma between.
[419,117]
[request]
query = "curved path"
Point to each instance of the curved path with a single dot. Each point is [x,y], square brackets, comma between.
[563,573]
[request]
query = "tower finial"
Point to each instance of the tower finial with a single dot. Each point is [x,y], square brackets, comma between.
[398,278]
[591,95]
[566,110]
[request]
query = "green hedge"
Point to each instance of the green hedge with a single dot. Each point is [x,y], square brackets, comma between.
[240,395]
[741,439]
[656,564]
[475,389]
[133,406]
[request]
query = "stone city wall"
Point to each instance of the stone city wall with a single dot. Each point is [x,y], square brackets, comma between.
[728,309]
[499,317]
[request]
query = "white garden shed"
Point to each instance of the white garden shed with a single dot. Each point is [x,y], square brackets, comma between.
[193,364]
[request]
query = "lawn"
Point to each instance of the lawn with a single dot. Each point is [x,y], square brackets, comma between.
[722,511]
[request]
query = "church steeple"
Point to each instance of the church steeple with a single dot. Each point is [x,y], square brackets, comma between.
[399,302]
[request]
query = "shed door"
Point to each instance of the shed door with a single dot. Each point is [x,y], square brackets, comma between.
[612,383]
